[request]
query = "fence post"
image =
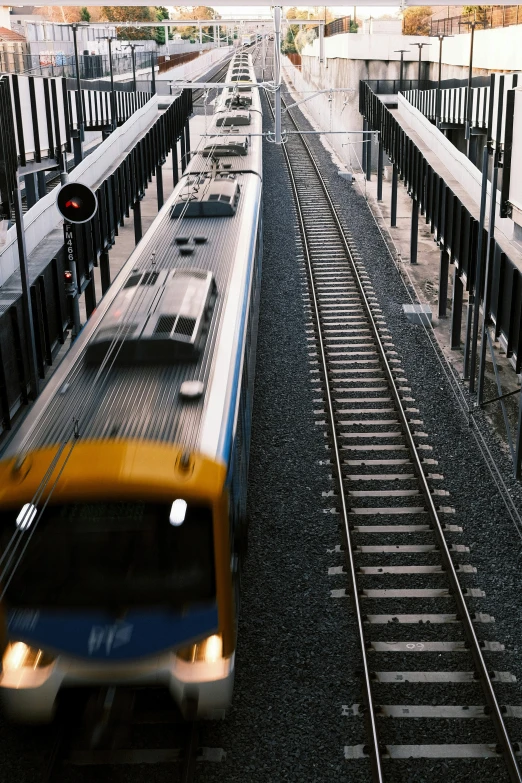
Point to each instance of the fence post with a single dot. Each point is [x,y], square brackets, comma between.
[395,177]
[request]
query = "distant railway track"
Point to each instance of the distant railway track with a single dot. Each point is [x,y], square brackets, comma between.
[400,540]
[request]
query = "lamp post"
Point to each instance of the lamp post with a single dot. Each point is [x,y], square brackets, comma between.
[420,45]
[401,71]
[133,47]
[441,37]
[78,140]
[110,38]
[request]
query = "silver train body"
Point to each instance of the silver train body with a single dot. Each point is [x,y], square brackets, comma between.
[171,419]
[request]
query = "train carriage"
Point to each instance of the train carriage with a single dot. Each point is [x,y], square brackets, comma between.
[123,494]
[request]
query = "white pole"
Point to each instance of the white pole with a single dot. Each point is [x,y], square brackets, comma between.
[277,73]
[200,35]
[321,41]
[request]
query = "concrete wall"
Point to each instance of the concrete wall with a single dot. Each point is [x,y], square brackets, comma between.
[340,110]
[497,50]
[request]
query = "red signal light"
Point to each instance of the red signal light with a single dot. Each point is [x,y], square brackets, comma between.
[72,203]
[68,276]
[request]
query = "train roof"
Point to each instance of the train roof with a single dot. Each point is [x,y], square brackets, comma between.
[141,398]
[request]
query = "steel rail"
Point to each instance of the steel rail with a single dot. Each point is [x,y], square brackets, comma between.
[505,746]
[375,754]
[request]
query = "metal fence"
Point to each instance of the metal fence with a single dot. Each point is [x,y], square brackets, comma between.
[486,17]
[335,27]
[92,66]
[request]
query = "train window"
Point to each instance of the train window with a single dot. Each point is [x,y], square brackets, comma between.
[114,555]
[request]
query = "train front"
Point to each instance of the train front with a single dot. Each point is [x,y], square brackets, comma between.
[129,589]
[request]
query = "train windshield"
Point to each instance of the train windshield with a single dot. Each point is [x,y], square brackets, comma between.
[112,555]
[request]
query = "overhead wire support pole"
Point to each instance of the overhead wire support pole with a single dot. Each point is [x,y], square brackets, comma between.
[491,236]
[277,73]
[321,41]
[78,141]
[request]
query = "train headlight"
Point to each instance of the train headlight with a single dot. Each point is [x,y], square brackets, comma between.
[19,655]
[209,650]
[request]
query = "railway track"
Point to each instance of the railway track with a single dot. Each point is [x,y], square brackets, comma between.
[113,727]
[427,692]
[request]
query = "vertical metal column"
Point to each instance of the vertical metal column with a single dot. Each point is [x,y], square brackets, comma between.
[42,187]
[277,74]
[90,295]
[159,185]
[368,145]
[414,230]
[138,233]
[153,74]
[321,40]
[26,295]
[363,156]
[469,92]
[79,139]
[478,270]
[518,450]
[380,159]
[31,196]
[456,311]
[105,271]
[187,142]
[175,169]
[491,237]
[443,283]
[183,159]
[395,179]
[467,338]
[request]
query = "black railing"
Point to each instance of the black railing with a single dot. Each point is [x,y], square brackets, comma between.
[119,192]
[454,227]
[391,86]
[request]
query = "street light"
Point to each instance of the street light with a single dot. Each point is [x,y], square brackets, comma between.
[441,37]
[420,45]
[132,47]
[110,38]
[401,72]
[78,141]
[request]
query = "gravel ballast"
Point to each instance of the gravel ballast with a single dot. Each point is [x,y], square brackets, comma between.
[297,658]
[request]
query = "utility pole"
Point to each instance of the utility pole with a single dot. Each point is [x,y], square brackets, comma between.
[420,45]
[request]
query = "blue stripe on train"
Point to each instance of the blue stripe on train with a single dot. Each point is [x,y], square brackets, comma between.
[98,636]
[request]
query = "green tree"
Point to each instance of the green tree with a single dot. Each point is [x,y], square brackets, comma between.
[416,20]
[84,15]
[128,13]
[479,13]
[160,33]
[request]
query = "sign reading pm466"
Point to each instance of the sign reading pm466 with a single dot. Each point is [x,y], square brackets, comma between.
[76,203]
